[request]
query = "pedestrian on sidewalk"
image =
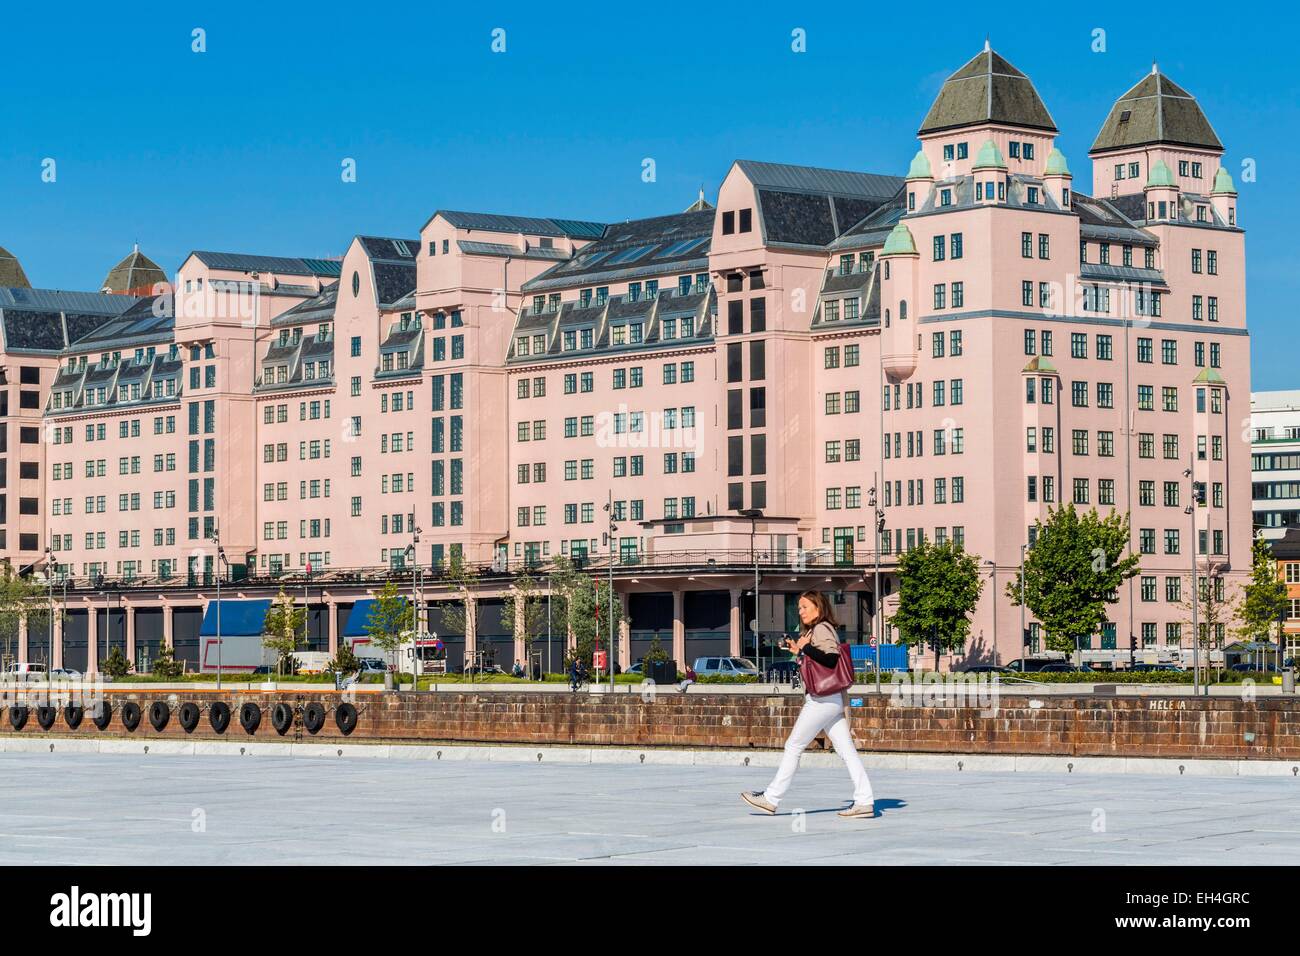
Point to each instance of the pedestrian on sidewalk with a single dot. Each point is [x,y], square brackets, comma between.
[819,644]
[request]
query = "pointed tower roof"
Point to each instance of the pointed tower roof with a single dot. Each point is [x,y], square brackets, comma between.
[134,273]
[899,242]
[986,90]
[920,168]
[700,204]
[1056,164]
[1156,110]
[11,271]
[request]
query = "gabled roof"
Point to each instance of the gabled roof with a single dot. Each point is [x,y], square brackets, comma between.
[490,222]
[242,262]
[986,90]
[1156,110]
[834,182]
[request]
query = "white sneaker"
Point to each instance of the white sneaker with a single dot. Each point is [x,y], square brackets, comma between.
[756,800]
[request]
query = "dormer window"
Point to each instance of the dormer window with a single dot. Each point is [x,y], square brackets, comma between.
[521,346]
[402,248]
[1033,195]
[538,302]
[1200,214]
[618,335]
[684,285]
[553,302]
[668,329]
[546,242]
[585,337]
[284,336]
[688,328]
[635,330]
[702,282]
[945,197]
[633,291]
[297,336]
[584,298]
[602,295]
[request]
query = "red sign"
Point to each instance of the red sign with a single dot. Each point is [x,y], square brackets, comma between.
[599,660]
[872,642]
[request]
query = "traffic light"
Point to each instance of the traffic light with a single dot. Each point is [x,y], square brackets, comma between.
[1198,492]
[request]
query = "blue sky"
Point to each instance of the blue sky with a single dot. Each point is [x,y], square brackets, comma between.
[240,148]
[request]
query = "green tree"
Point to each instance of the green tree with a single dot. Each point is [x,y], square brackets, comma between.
[1264,599]
[391,620]
[280,630]
[116,665]
[1073,570]
[525,611]
[589,627]
[938,588]
[1216,606]
[165,664]
[344,661]
[18,598]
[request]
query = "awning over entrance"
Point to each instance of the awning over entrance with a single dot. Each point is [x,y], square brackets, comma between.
[238,618]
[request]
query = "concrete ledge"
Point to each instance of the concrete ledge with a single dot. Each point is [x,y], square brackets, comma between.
[969,763]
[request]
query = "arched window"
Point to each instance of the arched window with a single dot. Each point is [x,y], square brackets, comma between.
[902,311]
[356,284]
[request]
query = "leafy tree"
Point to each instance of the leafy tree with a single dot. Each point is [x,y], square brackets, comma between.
[165,664]
[1216,605]
[938,587]
[589,609]
[280,629]
[391,619]
[116,665]
[1264,599]
[344,661]
[526,605]
[1073,570]
[18,595]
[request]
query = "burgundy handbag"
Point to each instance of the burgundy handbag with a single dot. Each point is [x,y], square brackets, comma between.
[822,681]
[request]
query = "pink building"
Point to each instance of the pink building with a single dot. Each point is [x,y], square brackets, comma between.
[975,341]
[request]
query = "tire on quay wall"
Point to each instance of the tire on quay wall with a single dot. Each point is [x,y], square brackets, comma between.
[345,716]
[131,715]
[219,716]
[250,715]
[159,714]
[281,718]
[45,715]
[72,714]
[188,715]
[101,712]
[18,716]
[313,717]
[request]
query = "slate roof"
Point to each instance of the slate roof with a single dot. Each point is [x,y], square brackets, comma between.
[986,90]
[831,182]
[140,324]
[1156,110]
[46,320]
[490,222]
[656,246]
[242,262]
[1111,219]
[319,308]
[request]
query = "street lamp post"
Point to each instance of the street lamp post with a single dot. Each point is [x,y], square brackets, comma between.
[994,575]
[415,606]
[221,559]
[753,514]
[1022,599]
[878,622]
[1196,586]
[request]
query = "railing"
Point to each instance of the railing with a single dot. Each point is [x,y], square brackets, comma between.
[696,561]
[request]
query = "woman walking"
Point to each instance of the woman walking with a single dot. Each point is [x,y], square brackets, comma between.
[819,642]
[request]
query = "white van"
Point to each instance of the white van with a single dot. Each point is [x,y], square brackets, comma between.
[311,662]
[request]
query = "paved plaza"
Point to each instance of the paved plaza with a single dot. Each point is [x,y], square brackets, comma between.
[92,809]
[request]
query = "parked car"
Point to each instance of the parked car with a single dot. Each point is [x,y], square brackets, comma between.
[1026,665]
[1268,668]
[725,666]
[1064,667]
[23,670]
[371,665]
[65,673]
[987,669]
[1142,666]
[637,668]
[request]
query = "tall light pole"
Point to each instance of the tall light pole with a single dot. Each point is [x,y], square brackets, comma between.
[1022,598]
[414,551]
[613,529]
[221,559]
[878,622]
[753,514]
[1196,589]
[994,575]
[49,580]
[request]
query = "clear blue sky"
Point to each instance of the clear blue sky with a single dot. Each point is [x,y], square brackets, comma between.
[239,148]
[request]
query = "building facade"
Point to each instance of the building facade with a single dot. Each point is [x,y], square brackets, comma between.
[700,399]
[1275,461]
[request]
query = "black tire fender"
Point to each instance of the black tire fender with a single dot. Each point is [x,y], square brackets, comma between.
[45,715]
[219,716]
[159,714]
[281,718]
[345,716]
[250,715]
[131,715]
[18,716]
[101,713]
[72,715]
[313,717]
[188,715]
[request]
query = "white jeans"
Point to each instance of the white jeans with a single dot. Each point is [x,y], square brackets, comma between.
[820,714]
